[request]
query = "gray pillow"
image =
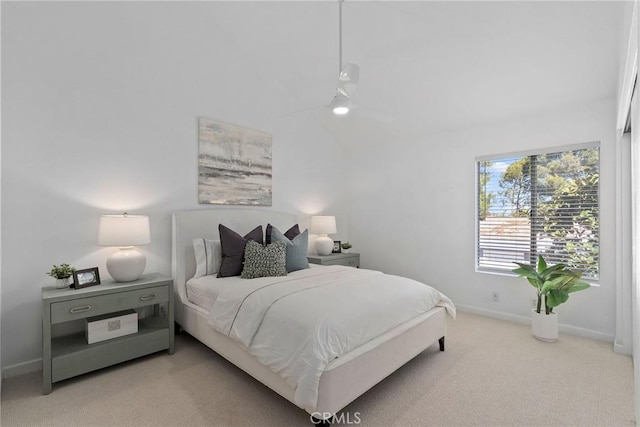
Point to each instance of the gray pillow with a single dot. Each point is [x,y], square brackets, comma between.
[233,249]
[290,233]
[296,249]
[264,261]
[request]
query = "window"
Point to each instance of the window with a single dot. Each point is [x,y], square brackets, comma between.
[540,204]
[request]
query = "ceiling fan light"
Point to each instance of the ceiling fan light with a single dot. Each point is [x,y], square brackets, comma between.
[340,104]
[340,110]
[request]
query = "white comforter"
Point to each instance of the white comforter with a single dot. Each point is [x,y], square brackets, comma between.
[299,323]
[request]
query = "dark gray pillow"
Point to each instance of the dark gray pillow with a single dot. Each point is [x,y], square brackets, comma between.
[296,249]
[264,261]
[290,233]
[233,249]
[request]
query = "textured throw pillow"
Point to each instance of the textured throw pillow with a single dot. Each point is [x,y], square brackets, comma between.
[264,261]
[233,249]
[208,256]
[290,233]
[296,249]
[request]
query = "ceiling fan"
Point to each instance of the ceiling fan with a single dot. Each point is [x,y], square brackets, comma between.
[342,103]
[347,78]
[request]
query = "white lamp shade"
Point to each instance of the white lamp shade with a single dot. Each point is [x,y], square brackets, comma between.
[124,230]
[323,224]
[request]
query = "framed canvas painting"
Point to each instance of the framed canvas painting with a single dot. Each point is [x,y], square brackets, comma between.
[234,164]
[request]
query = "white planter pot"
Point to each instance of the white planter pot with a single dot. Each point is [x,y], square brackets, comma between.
[345,251]
[63,283]
[544,326]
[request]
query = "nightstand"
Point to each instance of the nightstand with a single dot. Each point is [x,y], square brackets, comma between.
[66,354]
[350,259]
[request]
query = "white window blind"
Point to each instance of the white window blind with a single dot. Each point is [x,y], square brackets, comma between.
[540,204]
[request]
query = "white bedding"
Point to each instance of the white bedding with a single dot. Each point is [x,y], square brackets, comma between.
[299,323]
[203,291]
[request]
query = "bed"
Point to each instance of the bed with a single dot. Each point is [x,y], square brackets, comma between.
[342,379]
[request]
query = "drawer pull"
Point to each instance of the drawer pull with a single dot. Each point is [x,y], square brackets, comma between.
[147,297]
[81,309]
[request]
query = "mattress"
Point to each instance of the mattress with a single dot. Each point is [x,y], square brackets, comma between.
[204,290]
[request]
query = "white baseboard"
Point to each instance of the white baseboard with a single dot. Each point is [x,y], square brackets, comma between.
[572,330]
[622,349]
[22,368]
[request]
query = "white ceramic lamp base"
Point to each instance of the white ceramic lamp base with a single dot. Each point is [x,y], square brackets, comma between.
[126,265]
[324,245]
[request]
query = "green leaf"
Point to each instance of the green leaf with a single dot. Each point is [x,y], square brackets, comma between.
[522,271]
[562,281]
[542,264]
[578,286]
[523,268]
[534,282]
[529,273]
[556,297]
[548,285]
[547,272]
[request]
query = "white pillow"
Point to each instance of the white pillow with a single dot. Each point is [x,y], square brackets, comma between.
[208,256]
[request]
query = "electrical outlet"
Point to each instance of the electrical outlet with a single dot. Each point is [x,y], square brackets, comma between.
[495,296]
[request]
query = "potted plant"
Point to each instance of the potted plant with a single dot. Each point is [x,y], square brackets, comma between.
[62,273]
[346,246]
[553,285]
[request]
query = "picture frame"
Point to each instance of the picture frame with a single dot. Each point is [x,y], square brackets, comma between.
[337,247]
[86,277]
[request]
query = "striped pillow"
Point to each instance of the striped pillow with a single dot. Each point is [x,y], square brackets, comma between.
[208,256]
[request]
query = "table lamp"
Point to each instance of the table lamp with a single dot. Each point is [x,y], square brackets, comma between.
[323,225]
[125,231]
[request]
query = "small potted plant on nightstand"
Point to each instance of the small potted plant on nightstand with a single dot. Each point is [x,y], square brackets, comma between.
[62,273]
[345,247]
[554,284]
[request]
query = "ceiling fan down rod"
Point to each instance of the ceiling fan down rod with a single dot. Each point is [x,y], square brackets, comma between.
[340,36]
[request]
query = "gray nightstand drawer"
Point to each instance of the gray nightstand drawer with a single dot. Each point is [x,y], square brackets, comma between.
[92,306]
[349,262]
[349,259]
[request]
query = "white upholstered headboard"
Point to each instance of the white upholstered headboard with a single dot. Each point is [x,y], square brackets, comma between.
[187,225]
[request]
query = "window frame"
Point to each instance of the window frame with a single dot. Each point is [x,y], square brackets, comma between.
[527,153]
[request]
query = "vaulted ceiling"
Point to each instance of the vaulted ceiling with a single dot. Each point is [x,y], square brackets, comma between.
[459,64]
[448,65]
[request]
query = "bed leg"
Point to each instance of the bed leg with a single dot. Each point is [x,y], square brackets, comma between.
[441,342]
[177,329]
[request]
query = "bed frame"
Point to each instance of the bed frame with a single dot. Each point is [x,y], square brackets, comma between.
[345,378]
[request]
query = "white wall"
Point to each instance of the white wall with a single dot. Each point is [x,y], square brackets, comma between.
[100,101]
[99,111]
[412,211]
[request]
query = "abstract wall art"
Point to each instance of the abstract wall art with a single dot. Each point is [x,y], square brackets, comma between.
[234,164]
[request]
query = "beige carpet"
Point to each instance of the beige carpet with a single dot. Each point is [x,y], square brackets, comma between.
[493,373]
